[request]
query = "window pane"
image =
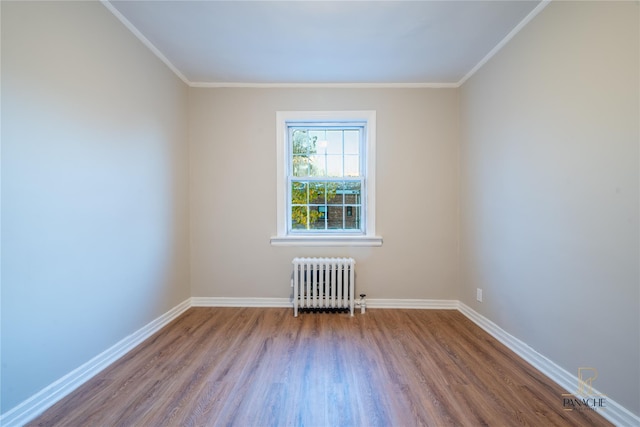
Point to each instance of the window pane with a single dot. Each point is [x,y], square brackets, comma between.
[316,166]
[316,219]
[323,211]
[352,192]
[351,142]
[335,218]
[299,193]
[316,192]
[299,141]
[321,147]
[334,142]
[351,165]
[334,165]
[299,217]
[301,165]
[352,218]
[333,198]
[315,137]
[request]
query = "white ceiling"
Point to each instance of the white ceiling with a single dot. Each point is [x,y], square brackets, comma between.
[324,42]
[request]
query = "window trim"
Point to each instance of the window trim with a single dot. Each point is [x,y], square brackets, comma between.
[283,237]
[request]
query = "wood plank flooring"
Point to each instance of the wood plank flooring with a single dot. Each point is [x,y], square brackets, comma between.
[263,367]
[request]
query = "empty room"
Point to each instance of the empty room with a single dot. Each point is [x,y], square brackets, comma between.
[320,213]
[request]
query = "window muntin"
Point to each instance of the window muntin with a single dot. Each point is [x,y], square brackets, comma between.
[326,177]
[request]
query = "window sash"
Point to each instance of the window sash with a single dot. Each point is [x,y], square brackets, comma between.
[334,126]
[359,207]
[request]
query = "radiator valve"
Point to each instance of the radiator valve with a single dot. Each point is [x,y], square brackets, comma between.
[362,303]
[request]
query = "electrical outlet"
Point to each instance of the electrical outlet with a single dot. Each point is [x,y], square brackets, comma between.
[479,294]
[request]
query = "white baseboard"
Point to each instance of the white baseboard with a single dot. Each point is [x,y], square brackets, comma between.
[45,398]
[240,302]
[430,304]
[38,403]
[425,304]
[614,412]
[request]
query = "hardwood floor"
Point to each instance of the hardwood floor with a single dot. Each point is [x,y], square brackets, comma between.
[263,367]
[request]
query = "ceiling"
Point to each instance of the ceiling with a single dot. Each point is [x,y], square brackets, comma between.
[324,42]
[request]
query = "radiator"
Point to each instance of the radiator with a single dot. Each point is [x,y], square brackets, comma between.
[323,285]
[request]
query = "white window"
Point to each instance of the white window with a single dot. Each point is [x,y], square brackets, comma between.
[326,178]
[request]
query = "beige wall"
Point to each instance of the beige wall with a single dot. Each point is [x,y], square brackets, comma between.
[233,192]
[549,199]
[94,190]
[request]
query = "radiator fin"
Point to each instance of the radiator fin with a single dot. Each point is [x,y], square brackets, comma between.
[323,284]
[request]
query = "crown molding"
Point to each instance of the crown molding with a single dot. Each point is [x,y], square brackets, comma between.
[324,85]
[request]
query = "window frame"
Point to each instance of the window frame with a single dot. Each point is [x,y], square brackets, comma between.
[366,237]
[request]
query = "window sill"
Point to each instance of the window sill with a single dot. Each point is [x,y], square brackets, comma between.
[326,241]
